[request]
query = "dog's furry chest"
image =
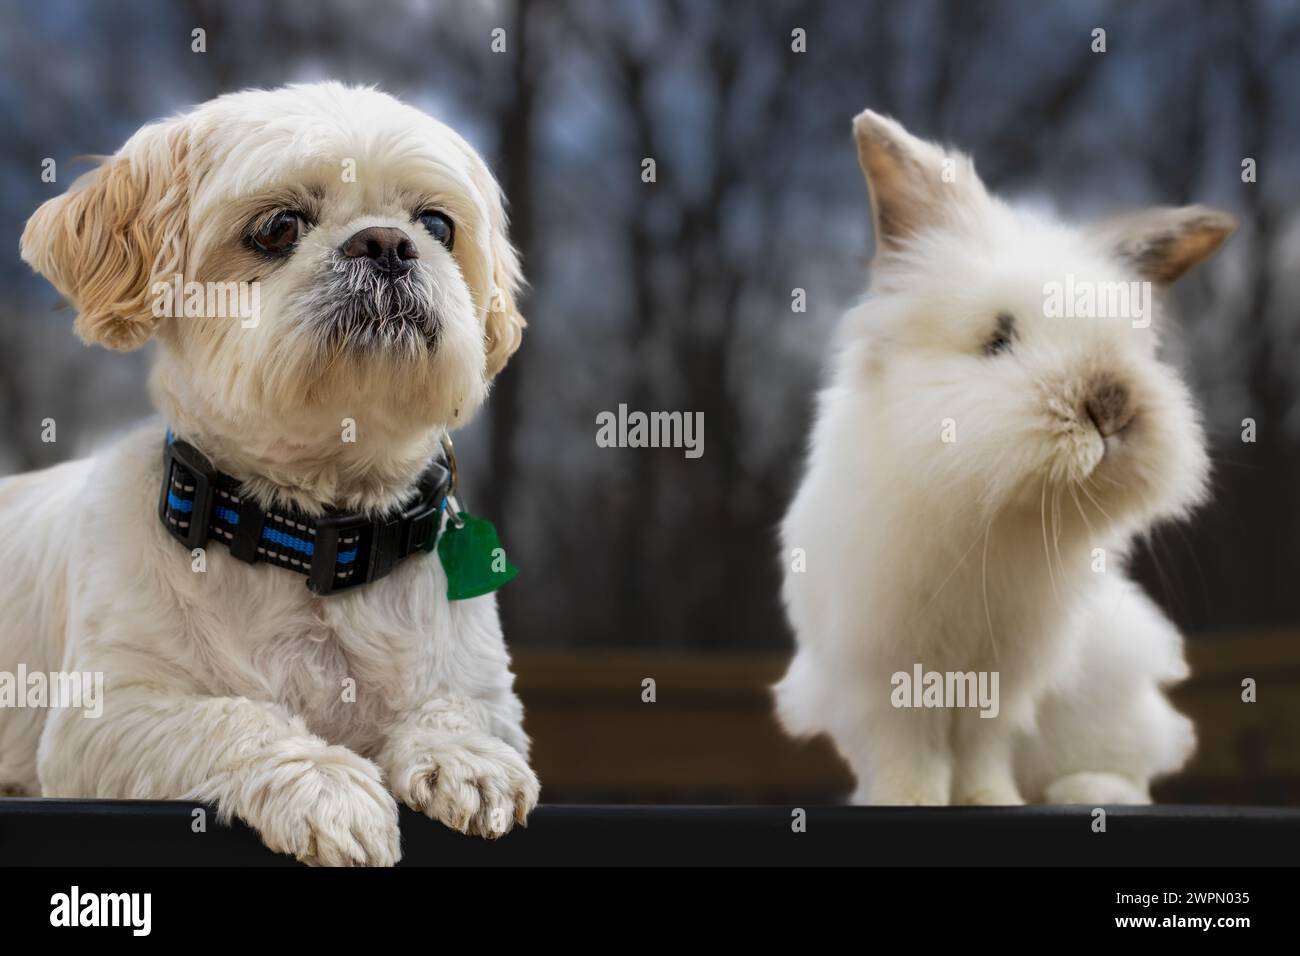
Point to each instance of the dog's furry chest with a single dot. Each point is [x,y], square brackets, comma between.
[316,672]
[345,665]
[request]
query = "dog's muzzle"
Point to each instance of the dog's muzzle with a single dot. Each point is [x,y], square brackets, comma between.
[375,295]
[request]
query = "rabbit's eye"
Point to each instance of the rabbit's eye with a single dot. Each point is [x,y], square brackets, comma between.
[1003,335]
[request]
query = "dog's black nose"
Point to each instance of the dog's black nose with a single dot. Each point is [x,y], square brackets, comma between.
[389,250]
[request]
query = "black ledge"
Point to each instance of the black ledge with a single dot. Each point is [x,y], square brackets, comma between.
[154,833]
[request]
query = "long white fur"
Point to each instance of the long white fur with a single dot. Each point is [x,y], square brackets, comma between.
[234,685]
[978,554]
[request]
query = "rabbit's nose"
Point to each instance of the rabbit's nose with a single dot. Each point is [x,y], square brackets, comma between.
[1109,405]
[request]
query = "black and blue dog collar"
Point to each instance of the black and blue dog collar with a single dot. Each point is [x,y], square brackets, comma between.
[337,550]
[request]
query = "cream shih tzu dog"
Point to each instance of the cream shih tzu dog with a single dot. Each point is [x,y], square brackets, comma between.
[990,442]
[250,575]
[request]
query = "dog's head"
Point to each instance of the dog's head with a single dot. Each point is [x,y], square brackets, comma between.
[302,255]
[1012,359]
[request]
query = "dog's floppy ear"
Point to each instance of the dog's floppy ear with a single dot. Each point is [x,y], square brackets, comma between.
[1164,242]
[505,325]
[504,280]
[119,229]
[913,184]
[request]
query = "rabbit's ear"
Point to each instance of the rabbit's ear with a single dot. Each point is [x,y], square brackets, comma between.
[1164,242]
[914,184]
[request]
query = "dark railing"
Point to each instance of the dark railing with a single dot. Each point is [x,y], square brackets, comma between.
[142,833]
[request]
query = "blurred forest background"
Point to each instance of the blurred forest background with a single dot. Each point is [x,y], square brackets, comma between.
[677,295]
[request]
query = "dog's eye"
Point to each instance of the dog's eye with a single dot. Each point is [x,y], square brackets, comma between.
[279,234]
[439,226]
[1003,335]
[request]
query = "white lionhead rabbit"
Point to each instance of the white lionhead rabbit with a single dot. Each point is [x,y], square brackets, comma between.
[977,471]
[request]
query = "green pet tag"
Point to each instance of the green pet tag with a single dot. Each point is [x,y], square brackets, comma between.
[473,558]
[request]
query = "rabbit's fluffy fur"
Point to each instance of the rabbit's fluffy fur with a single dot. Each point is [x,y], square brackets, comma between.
[977,472]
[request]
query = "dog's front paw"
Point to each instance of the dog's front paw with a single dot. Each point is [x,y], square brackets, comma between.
[472,783]
[327,807]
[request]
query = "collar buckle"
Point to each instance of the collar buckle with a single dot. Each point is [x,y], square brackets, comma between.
[186,499]
[340,539]
[369,548]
